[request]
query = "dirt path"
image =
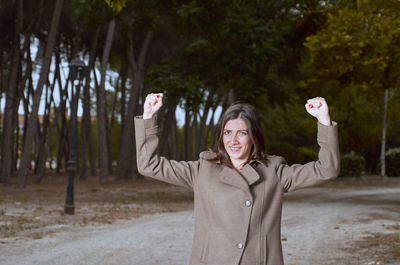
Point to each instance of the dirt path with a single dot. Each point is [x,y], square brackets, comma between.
[321,226]
[335,226]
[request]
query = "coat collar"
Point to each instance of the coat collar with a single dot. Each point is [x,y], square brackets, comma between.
[243,180]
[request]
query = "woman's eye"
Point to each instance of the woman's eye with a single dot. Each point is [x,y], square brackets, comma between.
[242,133]
[227,132]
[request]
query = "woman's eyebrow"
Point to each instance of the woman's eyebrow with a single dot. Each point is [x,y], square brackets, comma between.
[244,130]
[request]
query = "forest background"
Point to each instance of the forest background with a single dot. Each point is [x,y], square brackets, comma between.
[204,55]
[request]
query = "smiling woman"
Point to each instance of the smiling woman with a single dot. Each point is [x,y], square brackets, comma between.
[240,138]
[238,188]
[237,142]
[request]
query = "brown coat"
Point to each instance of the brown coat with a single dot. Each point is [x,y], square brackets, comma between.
[237,215]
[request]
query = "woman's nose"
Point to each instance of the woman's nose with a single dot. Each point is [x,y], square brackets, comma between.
[234,138]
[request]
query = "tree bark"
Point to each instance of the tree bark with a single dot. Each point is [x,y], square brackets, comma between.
[195,134]
[101,108]
[384,125]
[45,149]
[30,134]
[40,165]
[168,123]
[63,130]
[11,103]
[201,141]
[187,136]
[124,77]
[127,153]
[86,141]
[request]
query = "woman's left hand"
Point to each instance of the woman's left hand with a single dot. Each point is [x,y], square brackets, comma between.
[318,108]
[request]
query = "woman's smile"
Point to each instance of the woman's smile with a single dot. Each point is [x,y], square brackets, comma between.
[235,149]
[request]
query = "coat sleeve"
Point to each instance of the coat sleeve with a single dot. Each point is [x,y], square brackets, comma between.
[150,164]
[317,172]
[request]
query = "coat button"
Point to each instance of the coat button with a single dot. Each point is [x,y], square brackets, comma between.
[240,246]
[248,203]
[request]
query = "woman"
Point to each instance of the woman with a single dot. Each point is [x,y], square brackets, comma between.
[238,189]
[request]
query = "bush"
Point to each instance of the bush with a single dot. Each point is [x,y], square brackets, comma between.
[305,155]
[392,157]
[352,165]
[284,149]
[293,154]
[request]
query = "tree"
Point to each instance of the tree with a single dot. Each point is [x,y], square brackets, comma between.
[127,157]
[103,151]
[32,121]
[358,51]
[11,101]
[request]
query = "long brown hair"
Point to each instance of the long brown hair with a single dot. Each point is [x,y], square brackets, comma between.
[249,114]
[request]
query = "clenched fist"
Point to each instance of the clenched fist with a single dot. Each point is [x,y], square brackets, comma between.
[152,104]
[318,108]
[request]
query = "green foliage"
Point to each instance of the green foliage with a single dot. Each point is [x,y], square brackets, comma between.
[358,46]
[116,5]
[293,154]
[90,13]
[290,123]
[305,155]
[393,162]
[287,150]
[166,78]
[352,165]
[353,59]
[244,47]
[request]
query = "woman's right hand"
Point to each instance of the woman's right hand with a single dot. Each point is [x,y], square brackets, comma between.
[152,104]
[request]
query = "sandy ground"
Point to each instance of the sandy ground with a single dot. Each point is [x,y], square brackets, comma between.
[335,224]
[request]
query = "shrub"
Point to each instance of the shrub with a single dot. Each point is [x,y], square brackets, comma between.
[352,165]
[305,155]
[284,149]
[293,154]
[392,157]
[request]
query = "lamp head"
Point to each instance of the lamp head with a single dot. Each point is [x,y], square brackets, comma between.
[77,68]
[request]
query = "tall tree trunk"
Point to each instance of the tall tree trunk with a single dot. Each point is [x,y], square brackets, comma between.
[26,80]
[40,165]
[101,108]
[30,134]
[384,125]
[174,150]
[210,128]
[124,77]
[45,150]
[193,136]
[111,122]
[201,140]
[187,146]
[168,123]
[63,130]
[86,123]
[11,106]
[127,153]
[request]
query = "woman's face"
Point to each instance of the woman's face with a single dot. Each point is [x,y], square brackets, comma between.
[237,141]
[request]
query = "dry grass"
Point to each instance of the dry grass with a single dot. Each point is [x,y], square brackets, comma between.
[39,208]
[384,246]
[364,181]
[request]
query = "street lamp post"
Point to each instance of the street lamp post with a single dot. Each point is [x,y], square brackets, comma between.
[77,68]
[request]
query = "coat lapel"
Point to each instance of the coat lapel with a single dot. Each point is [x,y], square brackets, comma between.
[231,177]
[250,174]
